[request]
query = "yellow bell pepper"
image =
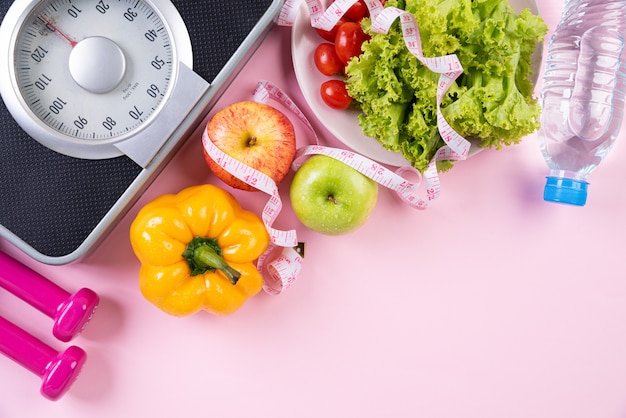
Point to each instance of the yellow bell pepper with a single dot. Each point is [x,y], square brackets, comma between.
[197,251]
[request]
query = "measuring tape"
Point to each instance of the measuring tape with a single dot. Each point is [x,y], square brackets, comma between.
[281,272]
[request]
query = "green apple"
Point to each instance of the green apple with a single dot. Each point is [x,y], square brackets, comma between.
[331,197]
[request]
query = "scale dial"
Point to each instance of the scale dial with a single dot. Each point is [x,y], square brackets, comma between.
[82,75]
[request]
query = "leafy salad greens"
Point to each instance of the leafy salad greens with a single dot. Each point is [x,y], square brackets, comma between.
[492,101]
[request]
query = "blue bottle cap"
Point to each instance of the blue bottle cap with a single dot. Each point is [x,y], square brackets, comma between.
[563,190]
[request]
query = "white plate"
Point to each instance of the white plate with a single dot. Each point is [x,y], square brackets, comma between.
[344,123]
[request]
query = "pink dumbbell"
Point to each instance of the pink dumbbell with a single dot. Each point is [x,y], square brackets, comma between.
[57,370]
[70,312]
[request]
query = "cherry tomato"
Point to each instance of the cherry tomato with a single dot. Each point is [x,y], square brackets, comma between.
[326,59]
[348,41]
[330,35]
[356,12]
[335,94]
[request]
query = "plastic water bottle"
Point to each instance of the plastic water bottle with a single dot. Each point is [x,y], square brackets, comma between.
[582,96]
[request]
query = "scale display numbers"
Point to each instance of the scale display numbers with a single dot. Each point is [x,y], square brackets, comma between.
[85,74]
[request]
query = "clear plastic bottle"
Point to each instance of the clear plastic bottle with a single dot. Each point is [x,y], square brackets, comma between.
[582,96]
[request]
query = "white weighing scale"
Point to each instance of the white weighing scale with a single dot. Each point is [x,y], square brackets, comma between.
[97,97]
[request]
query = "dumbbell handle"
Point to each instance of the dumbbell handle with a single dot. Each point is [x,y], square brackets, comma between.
[70,312]
[58,370]
[29,285]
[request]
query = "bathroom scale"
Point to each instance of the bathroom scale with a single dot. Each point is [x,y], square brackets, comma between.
[97,96]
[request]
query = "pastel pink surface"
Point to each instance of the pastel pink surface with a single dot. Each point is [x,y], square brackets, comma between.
[492,303]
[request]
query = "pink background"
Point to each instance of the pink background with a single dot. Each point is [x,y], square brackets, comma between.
[490,304]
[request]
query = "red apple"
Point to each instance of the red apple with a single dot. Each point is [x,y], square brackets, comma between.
[256,134]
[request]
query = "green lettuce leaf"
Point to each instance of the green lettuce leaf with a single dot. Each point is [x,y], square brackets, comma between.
[491,101]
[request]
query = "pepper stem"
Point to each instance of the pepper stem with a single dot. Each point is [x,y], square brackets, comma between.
[204,254]
[208,257]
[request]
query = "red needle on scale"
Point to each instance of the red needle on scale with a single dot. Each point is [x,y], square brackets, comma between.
[67,38]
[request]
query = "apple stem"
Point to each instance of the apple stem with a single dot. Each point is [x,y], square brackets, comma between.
[332,199]
[252,141]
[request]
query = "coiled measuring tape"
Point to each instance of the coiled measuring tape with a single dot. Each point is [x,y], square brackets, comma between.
[279,274]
